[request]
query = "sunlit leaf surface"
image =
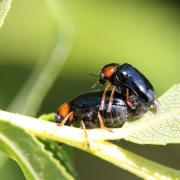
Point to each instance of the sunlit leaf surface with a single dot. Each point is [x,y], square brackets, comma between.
[29,153]
[160,128]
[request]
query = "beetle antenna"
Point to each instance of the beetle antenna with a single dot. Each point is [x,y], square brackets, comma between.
[97,82]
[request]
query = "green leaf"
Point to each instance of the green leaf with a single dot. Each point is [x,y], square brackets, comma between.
[9,169]
[59,152]
[58,149]
[132,162]
[4,8]
[29,153]
[161,128]
[48,117]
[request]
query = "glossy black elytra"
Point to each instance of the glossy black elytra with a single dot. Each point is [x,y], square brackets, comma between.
[127,79]
[84,109]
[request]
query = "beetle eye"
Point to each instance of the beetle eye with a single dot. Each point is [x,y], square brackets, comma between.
[108,71]
[102,80]
[58,118]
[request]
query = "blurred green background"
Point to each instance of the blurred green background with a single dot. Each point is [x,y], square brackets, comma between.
[142,33]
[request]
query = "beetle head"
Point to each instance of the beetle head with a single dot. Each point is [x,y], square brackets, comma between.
[62,112]
[107,72]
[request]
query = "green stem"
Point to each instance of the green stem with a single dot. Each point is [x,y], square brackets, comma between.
[75,137]
[5,5]
[131,162]
[42,78]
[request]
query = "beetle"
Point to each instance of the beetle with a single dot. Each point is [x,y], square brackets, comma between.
[126,79]
[84,110]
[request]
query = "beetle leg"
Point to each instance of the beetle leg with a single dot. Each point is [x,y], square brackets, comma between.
[111,99]
[130,104]
[104,96]
[155,106]
[69,116]
[85,132]
[101,122]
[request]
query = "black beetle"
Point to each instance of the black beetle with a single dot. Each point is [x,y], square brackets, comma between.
[127,79]
[84,109]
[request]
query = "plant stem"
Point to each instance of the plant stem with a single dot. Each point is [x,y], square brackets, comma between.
[5,5]
[43,76]
[75,137]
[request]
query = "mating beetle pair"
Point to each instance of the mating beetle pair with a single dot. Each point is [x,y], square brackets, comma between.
[131,96]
